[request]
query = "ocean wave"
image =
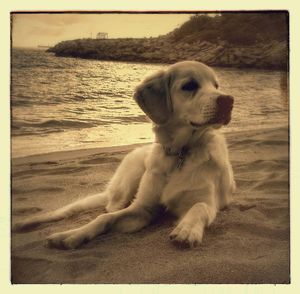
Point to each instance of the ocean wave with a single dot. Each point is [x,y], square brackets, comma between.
[21,102]
[62,124]
[132,119]
[33,132]
[31,103]
[22,128]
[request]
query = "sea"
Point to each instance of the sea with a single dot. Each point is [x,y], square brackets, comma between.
[61,103]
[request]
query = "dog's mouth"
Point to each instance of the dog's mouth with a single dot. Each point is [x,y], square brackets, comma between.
[221,118]
[197,125]
[222,114]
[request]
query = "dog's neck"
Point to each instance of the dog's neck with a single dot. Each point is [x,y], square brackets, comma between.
[177,139]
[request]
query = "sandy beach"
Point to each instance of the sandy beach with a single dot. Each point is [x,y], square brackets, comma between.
[248,242]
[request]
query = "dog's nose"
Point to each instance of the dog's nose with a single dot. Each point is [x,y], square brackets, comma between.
[225,105]
[225,102]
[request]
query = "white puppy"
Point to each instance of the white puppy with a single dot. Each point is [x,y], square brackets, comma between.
[187,169]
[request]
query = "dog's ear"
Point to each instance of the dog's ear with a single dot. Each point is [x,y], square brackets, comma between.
[153,97]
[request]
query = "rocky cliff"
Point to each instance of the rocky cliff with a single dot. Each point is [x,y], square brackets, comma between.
[223,44]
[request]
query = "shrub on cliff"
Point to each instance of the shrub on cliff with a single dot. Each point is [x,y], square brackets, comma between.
[236,28]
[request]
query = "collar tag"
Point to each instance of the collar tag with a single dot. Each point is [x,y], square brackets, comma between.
[182,156]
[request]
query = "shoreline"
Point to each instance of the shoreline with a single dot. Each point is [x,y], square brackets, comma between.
[280,68]
[117,148]
[252,68]
[70,154]
[272,55]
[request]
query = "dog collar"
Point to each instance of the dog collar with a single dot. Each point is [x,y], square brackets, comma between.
[181,154]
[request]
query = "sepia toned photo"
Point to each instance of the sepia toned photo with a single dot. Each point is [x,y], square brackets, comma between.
[150,147]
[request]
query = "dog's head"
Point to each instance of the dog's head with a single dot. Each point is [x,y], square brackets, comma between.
[186,93]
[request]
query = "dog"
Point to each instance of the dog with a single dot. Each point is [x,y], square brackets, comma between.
[186,170]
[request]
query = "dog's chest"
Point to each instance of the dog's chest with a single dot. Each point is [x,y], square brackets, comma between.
[185,174]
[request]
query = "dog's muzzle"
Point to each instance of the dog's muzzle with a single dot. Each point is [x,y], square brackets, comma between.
[217,112]
[224,108]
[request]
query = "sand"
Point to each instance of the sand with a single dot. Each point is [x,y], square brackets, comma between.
[248,242]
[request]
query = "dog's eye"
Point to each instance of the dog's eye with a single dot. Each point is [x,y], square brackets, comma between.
[190,86]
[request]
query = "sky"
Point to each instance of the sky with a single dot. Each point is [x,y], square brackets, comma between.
[31,30]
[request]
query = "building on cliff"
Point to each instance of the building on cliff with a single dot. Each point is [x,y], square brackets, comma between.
[102,35]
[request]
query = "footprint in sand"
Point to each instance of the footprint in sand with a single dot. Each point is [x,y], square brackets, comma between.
[26,210]
[41,189]
[21,199]
[100,160]
[66,170]
[28,173]
[41,163]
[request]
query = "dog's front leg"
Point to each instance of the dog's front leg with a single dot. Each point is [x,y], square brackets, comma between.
[190,229]
[192,221]
[227,186]
[130,219]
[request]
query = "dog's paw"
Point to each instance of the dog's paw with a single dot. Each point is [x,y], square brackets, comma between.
[67,240]
[187,235]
